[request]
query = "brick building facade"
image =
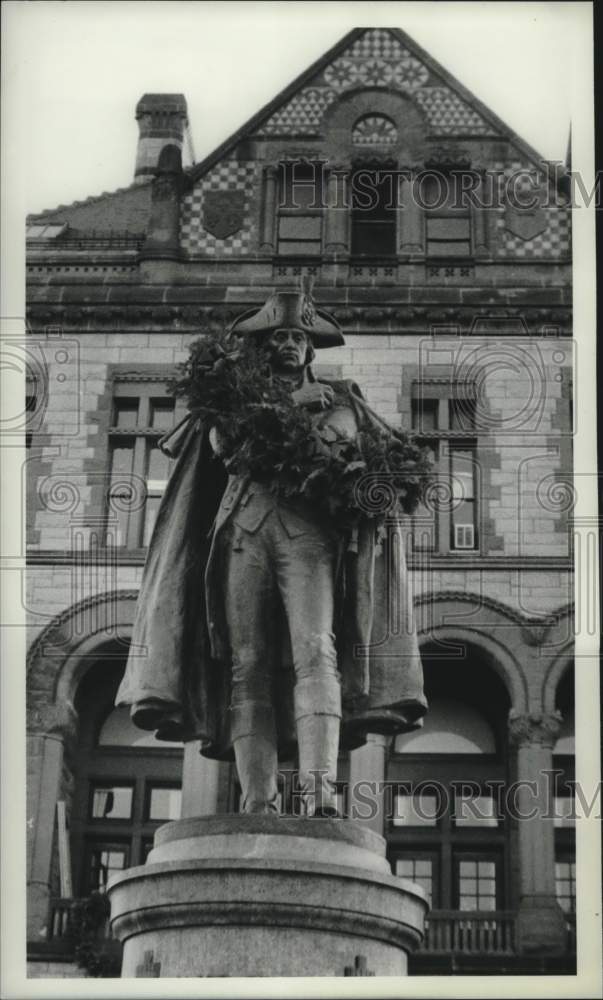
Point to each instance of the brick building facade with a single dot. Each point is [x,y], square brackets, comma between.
[457,318]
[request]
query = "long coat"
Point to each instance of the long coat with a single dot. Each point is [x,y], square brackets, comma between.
[177,679]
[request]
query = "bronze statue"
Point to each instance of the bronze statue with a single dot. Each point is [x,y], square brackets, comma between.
[261,624]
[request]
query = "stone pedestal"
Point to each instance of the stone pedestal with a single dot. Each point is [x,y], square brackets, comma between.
[265,896]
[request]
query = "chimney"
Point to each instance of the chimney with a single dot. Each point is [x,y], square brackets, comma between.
[162,119]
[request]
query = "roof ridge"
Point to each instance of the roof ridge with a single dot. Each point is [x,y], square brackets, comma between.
[198,170]
[34,216]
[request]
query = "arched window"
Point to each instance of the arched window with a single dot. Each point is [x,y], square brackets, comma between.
[448,828]
[450,727]
[126,783]
[374,130]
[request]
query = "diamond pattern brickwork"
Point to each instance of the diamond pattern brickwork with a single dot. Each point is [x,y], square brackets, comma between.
[377,59]
[554,241]
[229,175]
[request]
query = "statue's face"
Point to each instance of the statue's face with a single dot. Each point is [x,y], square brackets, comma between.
[288,348]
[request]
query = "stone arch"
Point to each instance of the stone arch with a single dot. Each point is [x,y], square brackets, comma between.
[480,629]
[67,647]
[410,121]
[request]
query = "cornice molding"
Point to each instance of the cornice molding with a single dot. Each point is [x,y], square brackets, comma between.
[186,315]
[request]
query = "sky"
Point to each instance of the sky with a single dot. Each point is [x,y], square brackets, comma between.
[73,72]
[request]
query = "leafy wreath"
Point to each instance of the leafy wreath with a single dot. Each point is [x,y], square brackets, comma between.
[228,382]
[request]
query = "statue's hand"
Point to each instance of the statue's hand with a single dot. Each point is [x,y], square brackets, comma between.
[314,396]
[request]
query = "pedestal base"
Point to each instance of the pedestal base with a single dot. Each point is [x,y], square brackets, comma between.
[265,896]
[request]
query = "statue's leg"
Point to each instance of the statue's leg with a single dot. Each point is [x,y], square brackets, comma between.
[305,572]
[248,596]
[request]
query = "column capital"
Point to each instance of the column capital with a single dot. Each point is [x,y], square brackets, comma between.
[534,728]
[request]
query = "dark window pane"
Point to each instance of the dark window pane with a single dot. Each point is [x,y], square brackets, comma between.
[374,213]
[125,413]
[424,415]
[112,802]
[162,415]
[373,239]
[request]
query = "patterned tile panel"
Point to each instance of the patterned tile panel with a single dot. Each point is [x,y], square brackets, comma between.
[447,113]
[377,59]
[229,175]
[554,241]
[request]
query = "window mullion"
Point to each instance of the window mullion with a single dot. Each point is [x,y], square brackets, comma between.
[139,483]
[445,518]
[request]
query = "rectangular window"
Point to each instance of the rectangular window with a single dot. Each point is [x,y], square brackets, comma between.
[446,425]
[476,884]
[447,215]
[565,885]
[475,810]
[105,861]
[164,803]
[419,870]
[416,810]
[374,213]
[138,469]
[300,209]
[111,801]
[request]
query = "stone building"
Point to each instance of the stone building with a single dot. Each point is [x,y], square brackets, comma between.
[457,318]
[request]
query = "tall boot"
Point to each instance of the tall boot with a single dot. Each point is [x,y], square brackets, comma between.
[254,741]
[256,762]
[318,741]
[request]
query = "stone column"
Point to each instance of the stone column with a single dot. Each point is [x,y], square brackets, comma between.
[540,921]
[203,782]
[337,218]
[48,731]
[411,226]
[366,789]
[480,216]
[268,224]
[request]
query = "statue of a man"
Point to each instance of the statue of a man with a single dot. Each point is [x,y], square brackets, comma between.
[275,627]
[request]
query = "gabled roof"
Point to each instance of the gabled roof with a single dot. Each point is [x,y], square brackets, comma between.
[499,128]
[126,209]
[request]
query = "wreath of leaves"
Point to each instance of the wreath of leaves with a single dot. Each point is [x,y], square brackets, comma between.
[228,382]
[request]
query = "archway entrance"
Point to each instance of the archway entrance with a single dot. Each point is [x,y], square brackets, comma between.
[126,783]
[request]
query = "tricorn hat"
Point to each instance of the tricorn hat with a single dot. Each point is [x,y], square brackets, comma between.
[287,310]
